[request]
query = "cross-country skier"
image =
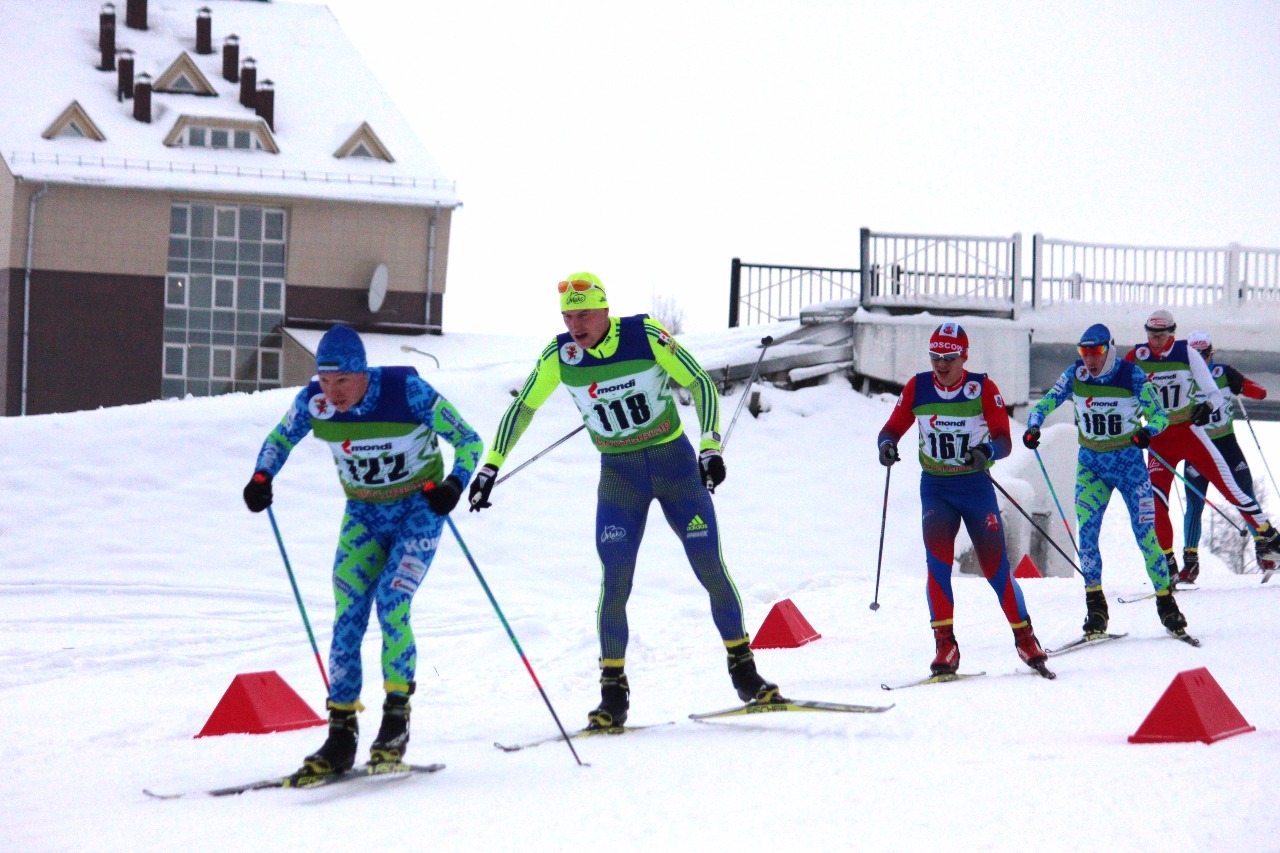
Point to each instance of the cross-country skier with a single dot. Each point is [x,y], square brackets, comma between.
[964,427]
[616,369]
[1191,396]
[1222,432]
[382,425]
[1112,397]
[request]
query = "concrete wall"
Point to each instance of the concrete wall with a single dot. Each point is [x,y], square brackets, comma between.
[894,349]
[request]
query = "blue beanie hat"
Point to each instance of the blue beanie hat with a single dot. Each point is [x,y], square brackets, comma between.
[341,351]
[1095,335]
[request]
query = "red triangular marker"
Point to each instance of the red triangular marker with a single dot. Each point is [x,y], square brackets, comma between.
[1193,708]
[784,628]
[1027,568]
[257,703]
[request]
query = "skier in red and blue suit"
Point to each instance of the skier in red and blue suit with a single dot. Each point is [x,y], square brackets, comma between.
[964,426]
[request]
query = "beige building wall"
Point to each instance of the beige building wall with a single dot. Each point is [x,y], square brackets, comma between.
[339,245]
[89,229]
[10,248]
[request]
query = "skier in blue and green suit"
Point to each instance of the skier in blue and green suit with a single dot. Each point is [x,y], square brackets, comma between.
[617,371]
[1112,398]
[382,425]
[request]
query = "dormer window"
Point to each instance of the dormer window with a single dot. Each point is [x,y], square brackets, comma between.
[182,77]
[222,133]
[364,143]
[74,123]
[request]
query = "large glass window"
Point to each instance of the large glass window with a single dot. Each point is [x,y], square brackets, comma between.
[224,299]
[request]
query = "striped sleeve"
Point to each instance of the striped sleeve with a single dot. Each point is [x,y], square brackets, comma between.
[544,379]
[685,369]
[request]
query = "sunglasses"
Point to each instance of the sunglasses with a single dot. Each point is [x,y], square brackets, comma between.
[947,357]
[1093,350]
[578,285]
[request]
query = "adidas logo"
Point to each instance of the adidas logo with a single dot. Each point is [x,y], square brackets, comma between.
[1243,466]
[696,524]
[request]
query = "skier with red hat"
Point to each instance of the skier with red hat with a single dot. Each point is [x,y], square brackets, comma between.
[964,427]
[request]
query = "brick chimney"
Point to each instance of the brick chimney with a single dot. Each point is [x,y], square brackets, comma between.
[231,58]
[124,77]
[107,37]
[135,15]
[204,31]
[248,82]
[265,106]
[142,98]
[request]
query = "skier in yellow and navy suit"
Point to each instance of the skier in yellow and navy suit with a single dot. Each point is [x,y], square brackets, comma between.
[617,371]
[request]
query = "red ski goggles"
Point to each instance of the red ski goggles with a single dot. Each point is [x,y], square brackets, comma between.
[1093,350]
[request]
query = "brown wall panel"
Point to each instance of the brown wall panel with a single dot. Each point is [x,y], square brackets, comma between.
[96,340]
[9,244]
[351,306]
[7,335]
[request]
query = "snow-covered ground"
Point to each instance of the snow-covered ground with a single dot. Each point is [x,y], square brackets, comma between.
[135,586]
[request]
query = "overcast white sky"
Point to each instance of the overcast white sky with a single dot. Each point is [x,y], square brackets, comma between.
[653,142]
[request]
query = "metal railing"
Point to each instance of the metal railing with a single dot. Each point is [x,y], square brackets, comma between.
[306,175]
[941,271]
[983,275]
[1064,271]
[766,293]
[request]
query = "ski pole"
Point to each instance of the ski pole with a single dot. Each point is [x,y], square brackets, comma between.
[755,372]
[1070,537]
[298,597]
[407,348]
[539,455]
[512,635]
[1247,420]
[884,515]
[1038,528]
[1243,531]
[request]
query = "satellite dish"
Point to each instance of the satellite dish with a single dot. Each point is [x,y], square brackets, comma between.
[378,288]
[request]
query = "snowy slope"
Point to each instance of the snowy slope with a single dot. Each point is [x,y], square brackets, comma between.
[135,586]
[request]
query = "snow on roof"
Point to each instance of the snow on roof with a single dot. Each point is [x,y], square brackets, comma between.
[323,93]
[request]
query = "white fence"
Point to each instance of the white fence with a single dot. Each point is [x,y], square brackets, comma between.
[984,275]
[1063,271]
[941,271]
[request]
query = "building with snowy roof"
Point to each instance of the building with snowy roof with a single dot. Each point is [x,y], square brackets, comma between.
[183,180]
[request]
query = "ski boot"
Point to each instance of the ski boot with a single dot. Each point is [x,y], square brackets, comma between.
[338,753]
[392,741]
[1096,615]
[751,687]
[1267,546]
[1024,639]
[615,699]
[1170,616]
[1173,568]
[947,660]
[1190,565]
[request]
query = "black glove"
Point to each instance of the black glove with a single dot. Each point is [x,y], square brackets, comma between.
[1201,414]
[444,497]
[976,457]
[481,486]
[711,464]
[1031,438]
[888,454]
[257,492]
[1142,438]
